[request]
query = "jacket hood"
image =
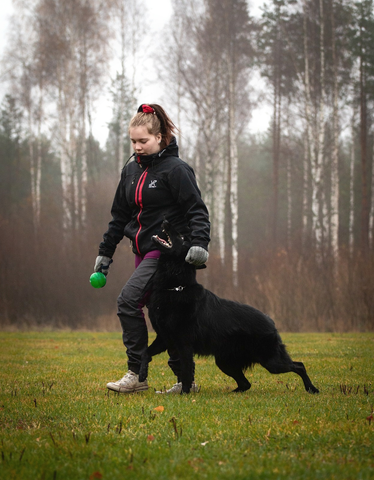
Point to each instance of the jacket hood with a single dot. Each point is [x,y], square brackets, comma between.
[170,151]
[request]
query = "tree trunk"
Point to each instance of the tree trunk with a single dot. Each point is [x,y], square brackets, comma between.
[276,155]
[310,147]
[351,189]
[219,200]
[137,31]
[35,160]
[363,143]
[32,169]
[233,178]
[65,165]
[276,127]
[306,216]
[334,217]
[122,91]
[318,203]
[289,203]
[371,220]
[83,134]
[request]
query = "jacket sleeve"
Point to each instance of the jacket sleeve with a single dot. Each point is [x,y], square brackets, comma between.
[121,215]
[184,188]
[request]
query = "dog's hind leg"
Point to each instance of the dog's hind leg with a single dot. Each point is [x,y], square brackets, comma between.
[156,347]
[274,366]
[234,372]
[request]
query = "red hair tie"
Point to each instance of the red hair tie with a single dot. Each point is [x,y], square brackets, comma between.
[146,109]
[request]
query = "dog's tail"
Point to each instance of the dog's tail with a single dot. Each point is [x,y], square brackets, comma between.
[252,349]
[264,347]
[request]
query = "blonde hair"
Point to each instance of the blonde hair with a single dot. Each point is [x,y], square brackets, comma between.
[157,122]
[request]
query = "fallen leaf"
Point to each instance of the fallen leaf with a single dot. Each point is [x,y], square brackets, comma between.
[194,463]
[95,475]
[159,408]
[150,438]
[295,422]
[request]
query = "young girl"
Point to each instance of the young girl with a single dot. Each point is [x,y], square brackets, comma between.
[157,184]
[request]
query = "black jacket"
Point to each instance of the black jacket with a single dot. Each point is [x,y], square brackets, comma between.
[152,188]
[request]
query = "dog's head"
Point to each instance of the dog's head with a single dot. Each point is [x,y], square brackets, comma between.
[173,244]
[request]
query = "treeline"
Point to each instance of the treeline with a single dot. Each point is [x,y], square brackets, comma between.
[292,210]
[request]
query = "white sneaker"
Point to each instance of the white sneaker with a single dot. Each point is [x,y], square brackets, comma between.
[128,384]
[177,388]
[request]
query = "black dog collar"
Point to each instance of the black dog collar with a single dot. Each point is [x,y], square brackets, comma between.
[177,289]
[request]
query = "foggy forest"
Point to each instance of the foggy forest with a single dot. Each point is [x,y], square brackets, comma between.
[292,208]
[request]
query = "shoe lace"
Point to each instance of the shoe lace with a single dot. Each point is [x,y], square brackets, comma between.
[127,375]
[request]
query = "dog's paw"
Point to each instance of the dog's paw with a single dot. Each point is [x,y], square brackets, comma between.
[313,389]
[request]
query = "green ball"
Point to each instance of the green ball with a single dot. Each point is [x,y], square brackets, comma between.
[98,280]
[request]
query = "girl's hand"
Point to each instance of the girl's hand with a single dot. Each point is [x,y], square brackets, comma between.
[197,256]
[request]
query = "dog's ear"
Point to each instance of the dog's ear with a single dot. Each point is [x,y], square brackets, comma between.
[165,223]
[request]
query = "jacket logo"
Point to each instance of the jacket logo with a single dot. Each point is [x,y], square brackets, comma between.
[152,184]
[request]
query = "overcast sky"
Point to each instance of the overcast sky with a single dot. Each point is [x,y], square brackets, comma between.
[159,11]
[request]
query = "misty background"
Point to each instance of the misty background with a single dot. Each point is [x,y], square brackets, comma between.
[274,101]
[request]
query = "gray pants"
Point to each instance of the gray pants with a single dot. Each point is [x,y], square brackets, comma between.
[134,295]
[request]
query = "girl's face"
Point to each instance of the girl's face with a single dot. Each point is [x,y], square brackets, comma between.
[143,142]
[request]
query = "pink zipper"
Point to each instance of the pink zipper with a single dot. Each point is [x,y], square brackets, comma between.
[139,202]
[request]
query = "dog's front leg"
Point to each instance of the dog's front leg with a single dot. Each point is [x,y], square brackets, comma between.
[187,368]
[143,372]
[156,347]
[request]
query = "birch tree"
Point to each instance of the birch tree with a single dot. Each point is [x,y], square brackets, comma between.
[212,74]
[127,22]
[26,64]
[334,217]
[318,202]
[201,74]
[351,187]
[236,13]
[74,36]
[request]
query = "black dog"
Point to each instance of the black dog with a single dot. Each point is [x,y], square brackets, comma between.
[192,320]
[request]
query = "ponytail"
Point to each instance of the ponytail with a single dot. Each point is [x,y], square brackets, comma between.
[156,120]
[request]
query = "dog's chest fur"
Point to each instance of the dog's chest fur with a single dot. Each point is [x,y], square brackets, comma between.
[175,295]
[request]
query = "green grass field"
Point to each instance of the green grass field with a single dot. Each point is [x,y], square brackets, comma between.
[58,420]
